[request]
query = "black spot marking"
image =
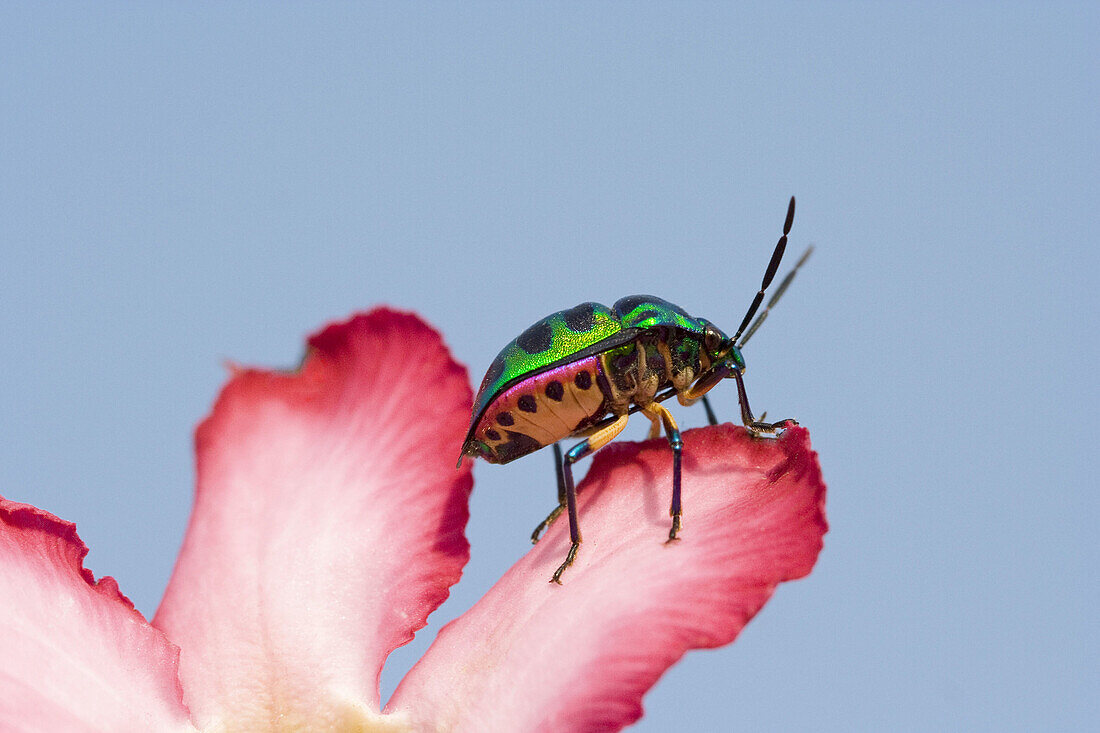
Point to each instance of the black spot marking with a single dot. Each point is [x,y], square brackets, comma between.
[492,434]
[506,419]
[623,306]
[537,338]
[580,318]
[555,391]
[527,403]
[518,445]
[583,380]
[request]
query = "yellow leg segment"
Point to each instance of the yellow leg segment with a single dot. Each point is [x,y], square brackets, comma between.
[655,425]
[605,435]
[697,390]
[656,411]
[659,414]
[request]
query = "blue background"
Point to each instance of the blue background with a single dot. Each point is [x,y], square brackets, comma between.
[184,185]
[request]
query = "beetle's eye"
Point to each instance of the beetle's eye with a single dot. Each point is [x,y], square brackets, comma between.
[712,339]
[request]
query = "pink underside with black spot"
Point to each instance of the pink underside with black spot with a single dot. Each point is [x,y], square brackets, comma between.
[541,410]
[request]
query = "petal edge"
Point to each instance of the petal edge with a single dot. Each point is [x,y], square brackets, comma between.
[328,523]
[531,656]
[77,655]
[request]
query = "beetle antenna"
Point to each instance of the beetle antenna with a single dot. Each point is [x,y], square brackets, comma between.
[783,285]
[769,274]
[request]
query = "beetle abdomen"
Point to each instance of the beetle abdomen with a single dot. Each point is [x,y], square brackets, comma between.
[538,411]
[548,341]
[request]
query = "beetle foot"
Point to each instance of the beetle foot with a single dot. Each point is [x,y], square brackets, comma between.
[545,524]
[759,429]
[568,561]
[674,531]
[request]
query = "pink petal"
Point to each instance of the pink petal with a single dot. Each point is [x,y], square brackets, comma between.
[74,654]
[328,523]
[532,656]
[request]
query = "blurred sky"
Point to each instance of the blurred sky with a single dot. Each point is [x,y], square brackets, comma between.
[188,184]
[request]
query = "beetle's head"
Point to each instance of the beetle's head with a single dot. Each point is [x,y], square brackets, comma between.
[721,349]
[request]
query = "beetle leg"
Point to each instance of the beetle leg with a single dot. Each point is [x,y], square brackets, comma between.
[711,418]
[655,425]
[586,447]
[656,411]
[561,497]
[754,425]
[705,384]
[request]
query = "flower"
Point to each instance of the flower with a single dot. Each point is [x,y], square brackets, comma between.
[329,523]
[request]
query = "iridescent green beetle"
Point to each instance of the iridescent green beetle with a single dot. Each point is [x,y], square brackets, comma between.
[581,373]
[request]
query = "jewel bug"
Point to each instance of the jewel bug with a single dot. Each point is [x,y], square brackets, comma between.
[582,372]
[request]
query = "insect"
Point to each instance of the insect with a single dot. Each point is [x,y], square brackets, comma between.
[582,372]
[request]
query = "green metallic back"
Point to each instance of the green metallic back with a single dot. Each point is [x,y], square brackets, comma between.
[585,329]
[649,311]
[548,342]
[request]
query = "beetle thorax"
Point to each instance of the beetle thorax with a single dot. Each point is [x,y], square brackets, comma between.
[635,372]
